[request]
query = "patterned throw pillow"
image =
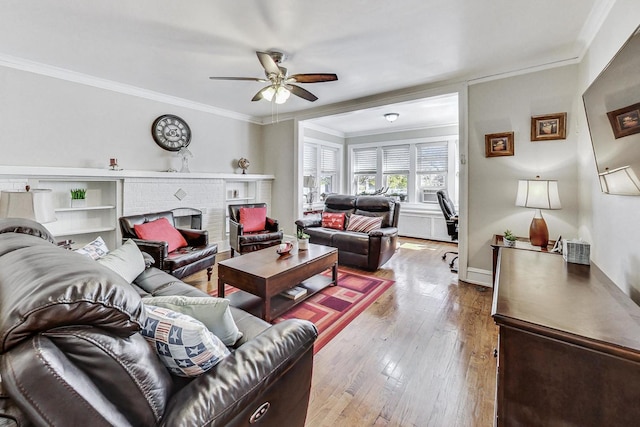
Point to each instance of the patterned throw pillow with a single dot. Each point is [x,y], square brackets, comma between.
[185,346]
[333,220]
[94,250]
[214,313]
[364,224]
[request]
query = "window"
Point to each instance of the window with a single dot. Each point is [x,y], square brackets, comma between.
[410,171]
[328,170]
[365,166]
[321,170]
[395,170]
[432,166]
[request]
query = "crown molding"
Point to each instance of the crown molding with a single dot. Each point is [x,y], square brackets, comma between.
[593,23]
[110,85]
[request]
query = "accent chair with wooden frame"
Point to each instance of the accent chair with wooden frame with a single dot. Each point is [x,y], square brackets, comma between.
[250,229]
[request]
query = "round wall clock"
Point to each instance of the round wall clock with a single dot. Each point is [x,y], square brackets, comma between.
[171,132]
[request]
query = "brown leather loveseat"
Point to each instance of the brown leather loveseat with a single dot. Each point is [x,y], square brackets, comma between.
[367,250]
[71,351]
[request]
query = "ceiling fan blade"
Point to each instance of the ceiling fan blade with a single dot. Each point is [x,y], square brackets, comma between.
[252,79]
[268,63]
[260,95]
[313,78]
[302,93]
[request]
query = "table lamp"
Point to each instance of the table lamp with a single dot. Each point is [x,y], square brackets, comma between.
[35,204]
[538,194]
[620,181]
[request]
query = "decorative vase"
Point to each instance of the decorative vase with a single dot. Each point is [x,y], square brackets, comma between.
[303,244]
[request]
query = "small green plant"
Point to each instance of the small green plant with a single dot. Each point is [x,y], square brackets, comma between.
[78,193]
[302,234]
[508,235]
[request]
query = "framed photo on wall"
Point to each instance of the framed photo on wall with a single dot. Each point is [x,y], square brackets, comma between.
[625,121]
[548,127]
[498,144]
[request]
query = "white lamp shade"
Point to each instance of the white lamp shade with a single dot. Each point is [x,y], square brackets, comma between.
[620,181]
[309,181]
[36,204]
[538,194]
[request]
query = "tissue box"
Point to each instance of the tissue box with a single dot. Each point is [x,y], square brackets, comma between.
[576,251]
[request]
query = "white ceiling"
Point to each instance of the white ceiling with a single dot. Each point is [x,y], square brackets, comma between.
[171,47]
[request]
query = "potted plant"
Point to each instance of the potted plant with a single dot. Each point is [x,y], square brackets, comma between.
[509,239]
[78,197]
[303,240]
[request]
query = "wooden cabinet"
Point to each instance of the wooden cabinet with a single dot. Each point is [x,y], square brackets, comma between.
[569,344]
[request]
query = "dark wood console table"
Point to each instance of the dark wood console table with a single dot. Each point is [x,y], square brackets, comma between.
[569,344]
[522,243]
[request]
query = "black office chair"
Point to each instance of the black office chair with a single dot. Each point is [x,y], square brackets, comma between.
[451,217]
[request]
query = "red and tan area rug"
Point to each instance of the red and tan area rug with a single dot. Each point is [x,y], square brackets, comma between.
[333,308]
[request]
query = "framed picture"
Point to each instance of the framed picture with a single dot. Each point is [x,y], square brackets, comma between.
[625,121]
[549,126]
[498,144]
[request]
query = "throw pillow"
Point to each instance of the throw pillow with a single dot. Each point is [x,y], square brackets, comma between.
[333,220]
[161,230]
[214,313]
[253,219]
[364,224]
[96,249]
[127,261]
[185,346]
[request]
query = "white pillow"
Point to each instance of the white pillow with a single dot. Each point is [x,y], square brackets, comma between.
[213,312]
[185,346]
[95,250]
[127,261]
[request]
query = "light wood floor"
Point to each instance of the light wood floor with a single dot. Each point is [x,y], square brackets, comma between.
[421,355]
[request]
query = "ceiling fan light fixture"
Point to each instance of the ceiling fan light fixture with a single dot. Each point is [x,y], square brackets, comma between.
[268,93]
[282,94]
[391,117]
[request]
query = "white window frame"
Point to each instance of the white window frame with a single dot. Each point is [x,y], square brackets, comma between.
[412,185]
[318,145]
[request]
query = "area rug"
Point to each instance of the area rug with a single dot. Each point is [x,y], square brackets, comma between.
[333,308]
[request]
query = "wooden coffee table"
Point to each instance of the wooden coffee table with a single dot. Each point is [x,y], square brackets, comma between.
[266,274]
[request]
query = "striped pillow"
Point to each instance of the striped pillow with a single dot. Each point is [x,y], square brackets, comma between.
[364,224]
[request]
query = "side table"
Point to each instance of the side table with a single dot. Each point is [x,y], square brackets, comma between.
[522,243]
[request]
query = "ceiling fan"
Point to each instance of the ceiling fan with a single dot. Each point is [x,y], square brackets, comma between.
[280,82]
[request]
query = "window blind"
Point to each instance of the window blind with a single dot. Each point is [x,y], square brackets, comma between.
[310,159]
[395,159]
[328,160]
[432,157]
[365,160]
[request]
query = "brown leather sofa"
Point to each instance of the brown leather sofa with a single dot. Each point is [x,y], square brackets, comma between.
[182,262]
[363,250]
[71,353]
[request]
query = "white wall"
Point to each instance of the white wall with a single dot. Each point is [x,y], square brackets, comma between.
[507,105]
[609,222]
[281,160]
[53,122]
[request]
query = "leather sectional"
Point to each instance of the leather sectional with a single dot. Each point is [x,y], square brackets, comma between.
[71,352]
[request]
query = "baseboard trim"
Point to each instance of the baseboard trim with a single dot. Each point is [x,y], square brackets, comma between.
[479,276]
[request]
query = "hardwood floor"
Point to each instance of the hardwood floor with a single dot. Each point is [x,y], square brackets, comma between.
[421,355]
